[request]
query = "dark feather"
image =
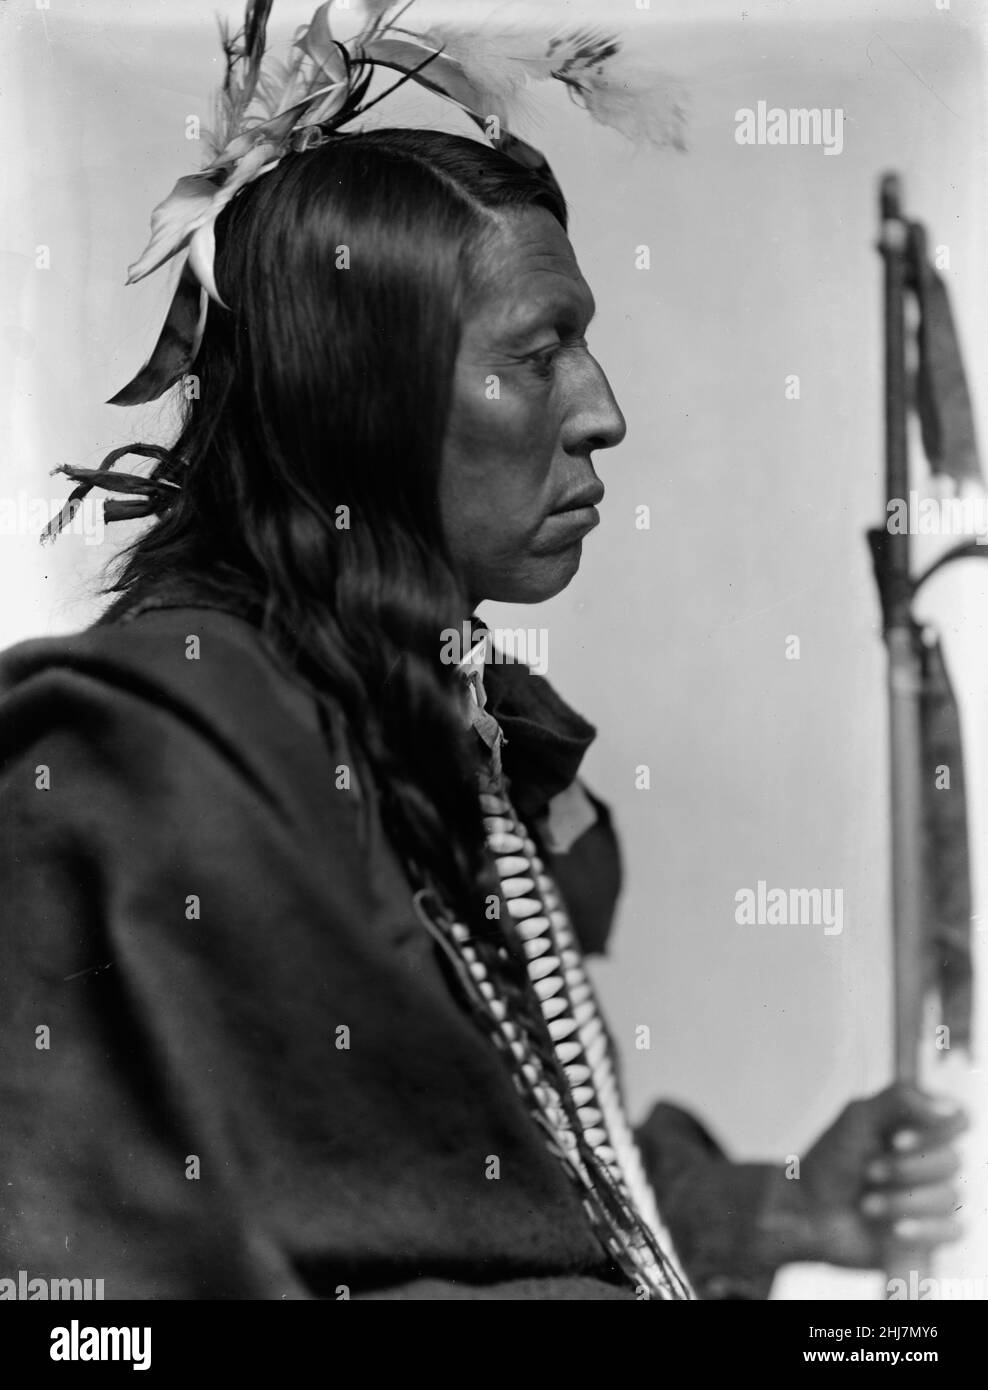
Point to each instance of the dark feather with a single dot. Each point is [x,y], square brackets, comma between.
[174,352]
[255,41]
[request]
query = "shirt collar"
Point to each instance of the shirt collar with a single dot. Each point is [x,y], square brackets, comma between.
[544,739]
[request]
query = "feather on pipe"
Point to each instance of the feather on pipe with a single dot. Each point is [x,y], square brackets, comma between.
[268,106]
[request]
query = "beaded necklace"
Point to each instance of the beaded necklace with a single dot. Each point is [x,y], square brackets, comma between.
[531,992]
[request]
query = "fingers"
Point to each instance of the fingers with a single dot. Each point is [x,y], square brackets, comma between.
[911,1168]
[915,1110]
[927,1232]
[932,1200]
[910,1189]
[910,1117]
[918,1202]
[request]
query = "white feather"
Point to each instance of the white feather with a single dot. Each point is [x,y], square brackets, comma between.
[506,56]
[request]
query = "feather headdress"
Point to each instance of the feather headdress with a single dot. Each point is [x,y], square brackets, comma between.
[269,105]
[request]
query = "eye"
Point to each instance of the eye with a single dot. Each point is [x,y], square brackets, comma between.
[543,362]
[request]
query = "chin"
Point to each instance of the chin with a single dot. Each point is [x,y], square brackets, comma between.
[538,579]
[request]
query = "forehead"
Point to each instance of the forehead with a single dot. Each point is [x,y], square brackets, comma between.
[529,277]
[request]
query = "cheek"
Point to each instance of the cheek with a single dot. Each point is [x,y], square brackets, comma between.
[497,459]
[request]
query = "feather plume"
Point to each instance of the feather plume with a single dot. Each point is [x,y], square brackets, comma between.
[268,106]
[244,53]
[500,62]
[354,20]
[259,87]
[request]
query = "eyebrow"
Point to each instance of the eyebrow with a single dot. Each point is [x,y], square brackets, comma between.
[557,311]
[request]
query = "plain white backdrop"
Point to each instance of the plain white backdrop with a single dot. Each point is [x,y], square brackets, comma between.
[673,639]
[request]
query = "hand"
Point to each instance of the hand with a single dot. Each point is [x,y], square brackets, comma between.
[881,1175]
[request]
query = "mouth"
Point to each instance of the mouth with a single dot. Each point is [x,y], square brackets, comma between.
[579,519]
[582,505]
[576,517]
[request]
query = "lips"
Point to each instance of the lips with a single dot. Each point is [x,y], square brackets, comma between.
[588,499]
[573,519]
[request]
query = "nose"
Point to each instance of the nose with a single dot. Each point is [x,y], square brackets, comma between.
[595,420]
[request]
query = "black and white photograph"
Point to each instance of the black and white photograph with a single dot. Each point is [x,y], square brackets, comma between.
[494,663]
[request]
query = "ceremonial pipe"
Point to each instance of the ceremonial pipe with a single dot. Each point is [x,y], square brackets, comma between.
[904,694]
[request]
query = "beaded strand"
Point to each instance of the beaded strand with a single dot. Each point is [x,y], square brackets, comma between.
[561,1060]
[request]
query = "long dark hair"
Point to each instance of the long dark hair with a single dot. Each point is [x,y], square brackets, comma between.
[309,453]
